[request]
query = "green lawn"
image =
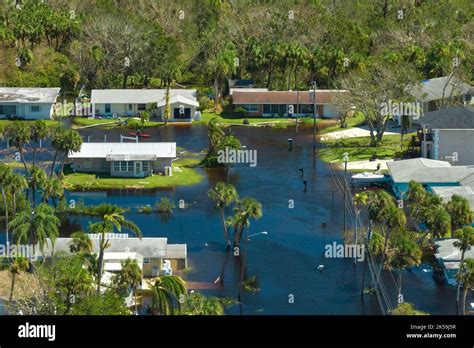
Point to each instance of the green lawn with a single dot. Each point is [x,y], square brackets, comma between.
[86,181]
[359,148]
[206,116]
[352,122]
[108,123]
[49,123]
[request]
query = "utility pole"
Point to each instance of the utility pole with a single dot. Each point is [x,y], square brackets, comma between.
[313,83]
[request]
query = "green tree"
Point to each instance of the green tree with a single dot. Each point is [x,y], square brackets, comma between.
[20,135]
[129,277]
[460,211]
[167,294]
[39,131]
[112,218]
[466,277]
[52,189]
[72,142]
[198,304]
[58,135]
[407,253]
[247,208]
[6,176]
[406,308]
[464,242]
[80,243]
[37,181]
[223,195]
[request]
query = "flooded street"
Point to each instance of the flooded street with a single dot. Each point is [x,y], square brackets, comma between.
[285,260]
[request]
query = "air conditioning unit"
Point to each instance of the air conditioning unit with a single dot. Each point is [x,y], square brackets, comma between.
[168,171]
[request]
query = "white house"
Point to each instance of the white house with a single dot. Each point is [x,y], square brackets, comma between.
[128,102]
[28,103]
[124,159]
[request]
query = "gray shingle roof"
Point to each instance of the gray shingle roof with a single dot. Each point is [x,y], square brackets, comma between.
[446,251]
[28,95]
[432,89]
[461,117]
[446,192]
[425,170]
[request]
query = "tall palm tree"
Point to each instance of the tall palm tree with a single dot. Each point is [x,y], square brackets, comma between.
[467,279]
[407,253]
[464,242]
[37,180]
[129,277]
[167,294]
[58,141]
[72,142]
[416,195]
[17,265]
[247,208]
[438,221]
[20,135]
[460,211]
[34,227]
[18,184]
[198,304]
[6,176]
[223,195]
[112,218]
[39,131]
[53,189]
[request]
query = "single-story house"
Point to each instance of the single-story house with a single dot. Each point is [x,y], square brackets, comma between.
[429,94]
[153,254]
[430,173]
[449,258]
[28,103]
[446,192]
[129,102]
[124,159]
[286,103]
[448,134]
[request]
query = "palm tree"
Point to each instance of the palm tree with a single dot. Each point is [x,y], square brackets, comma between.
[129,277]
[17,265]
[39,131]
[223,195]
[20,135]
[406,308]
[6,176]
[465,239]
[466,277]
[58,135]
[52,189]
[198,304]
[215,134]
[18,184]
[460,211]
[246,209]
[416,195]
[37,180]
[144,117]
[438,221]
[34,227]
[407,253]
[112,218]
[80,243]
[168,292]
[72,142]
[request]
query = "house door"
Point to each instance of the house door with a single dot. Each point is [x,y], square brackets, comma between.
[138,169]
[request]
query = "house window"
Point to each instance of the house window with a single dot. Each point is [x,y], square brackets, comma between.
[103,164]
[107,108]
[35,108]
[130,166]
[145,166]
[267,108]
[87,163]
[8,110]
[116,166]
[146,260]
[123,166]
[141,107]
[130,107]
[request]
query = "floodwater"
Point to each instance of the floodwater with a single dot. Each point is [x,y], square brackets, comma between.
[285,260]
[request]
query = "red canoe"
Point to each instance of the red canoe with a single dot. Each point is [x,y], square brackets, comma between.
[141,135]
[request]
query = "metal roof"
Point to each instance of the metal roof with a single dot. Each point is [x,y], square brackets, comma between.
[461,117]
[430,90]
[28,95]
[426,170]
[447,252]
[137,96]
[446,192]
[284,97]
[122,150]
[179,99]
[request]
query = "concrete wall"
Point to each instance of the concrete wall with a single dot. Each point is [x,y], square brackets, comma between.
[159,166]
[460,141]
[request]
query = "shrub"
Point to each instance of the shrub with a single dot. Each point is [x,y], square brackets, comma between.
[205,103]
[164,206]
[146,209]
[134,124]
[240,112]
